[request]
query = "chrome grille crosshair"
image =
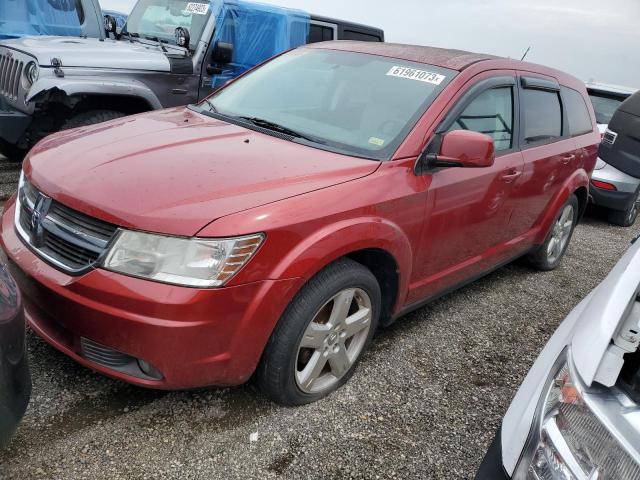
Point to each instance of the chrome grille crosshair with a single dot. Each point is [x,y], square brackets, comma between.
[10,74]
[70,240]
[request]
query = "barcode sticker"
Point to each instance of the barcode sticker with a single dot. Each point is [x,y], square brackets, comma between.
[419,75]
[197,8]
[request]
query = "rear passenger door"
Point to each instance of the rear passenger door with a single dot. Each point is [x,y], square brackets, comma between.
[548,150]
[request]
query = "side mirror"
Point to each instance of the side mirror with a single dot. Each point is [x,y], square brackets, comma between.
[222,53]
[464,148]
[110,24]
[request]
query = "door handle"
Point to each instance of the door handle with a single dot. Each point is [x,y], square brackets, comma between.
[567,159]
[510,177]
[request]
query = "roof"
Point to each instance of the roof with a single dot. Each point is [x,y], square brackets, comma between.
[613,89]
[440,57]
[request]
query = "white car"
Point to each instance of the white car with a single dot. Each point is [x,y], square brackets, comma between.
[577,414]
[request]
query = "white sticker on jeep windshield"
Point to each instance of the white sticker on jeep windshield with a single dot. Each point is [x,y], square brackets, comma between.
[414,74]
[197,8]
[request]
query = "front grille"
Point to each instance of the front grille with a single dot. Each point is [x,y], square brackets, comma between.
[71,240]
[10,74]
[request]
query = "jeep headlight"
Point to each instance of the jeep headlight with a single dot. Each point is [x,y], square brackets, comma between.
[191,262]
[569,442]
[31,73]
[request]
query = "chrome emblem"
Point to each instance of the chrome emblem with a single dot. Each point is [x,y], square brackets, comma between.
[40,211]
[9,54]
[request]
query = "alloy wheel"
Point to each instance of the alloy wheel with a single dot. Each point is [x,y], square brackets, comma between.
[560,234]
[635,208]
[333,341]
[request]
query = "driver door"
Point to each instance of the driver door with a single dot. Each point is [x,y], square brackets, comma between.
[469,209]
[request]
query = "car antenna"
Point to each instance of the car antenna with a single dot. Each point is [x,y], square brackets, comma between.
[525,54]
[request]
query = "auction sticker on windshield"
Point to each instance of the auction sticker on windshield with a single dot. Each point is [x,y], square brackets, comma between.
[419,75]
[197,8]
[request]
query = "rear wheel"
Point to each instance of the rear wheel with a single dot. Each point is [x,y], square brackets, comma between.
[549,255]
[320,338]
[628,217]
[91,117]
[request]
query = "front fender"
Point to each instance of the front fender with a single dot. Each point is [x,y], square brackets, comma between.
[326,245]
[577,180]
[92,85]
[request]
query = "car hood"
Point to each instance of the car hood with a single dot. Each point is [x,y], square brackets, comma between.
[604,314]
[92,52]
[175,171]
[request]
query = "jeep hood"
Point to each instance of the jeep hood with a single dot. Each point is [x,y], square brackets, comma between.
[175,171]
[92,53]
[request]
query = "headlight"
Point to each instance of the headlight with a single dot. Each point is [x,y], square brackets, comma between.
[569,441]
[190,262]
[31,73]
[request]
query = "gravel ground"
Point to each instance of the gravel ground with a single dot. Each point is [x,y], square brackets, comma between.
[424,404]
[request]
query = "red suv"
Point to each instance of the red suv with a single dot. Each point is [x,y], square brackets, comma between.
[270,230]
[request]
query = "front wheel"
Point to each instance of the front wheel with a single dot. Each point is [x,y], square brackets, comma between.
[320,338]
[549,255]
[91,117]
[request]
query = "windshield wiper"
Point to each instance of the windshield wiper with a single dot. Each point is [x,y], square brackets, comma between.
[261,122]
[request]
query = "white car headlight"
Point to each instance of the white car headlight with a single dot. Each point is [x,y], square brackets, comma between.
[569,441]
[32,73]
[191,262]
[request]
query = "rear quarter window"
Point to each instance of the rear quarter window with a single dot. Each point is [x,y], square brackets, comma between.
[542,116]
[577,112]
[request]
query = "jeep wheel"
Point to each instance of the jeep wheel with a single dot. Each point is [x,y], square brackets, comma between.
[320,338]
[11,152]
[91,117]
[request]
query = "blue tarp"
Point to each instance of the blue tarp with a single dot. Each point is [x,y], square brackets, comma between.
[257,33]
[38,17]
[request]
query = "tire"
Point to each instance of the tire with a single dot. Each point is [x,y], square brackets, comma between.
[11,152]
[311,354]
[549,255]
[628,217]
[91,117]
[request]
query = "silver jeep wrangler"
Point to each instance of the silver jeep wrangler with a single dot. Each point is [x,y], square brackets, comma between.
[170,53]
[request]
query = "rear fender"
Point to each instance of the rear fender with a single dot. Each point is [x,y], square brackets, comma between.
[579,179]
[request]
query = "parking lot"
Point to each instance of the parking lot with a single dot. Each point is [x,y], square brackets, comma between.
[424,403]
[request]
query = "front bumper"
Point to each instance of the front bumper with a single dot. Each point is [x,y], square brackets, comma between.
[491,467]
[13,123]
[626,188]
[193,337]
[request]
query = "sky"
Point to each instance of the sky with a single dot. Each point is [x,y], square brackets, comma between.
[592,39]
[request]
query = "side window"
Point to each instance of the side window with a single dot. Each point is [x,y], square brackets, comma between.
[577,112]
[490,113]
[541,114]
[320,33]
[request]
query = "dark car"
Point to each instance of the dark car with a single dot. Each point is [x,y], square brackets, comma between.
[15,380]
[617,176]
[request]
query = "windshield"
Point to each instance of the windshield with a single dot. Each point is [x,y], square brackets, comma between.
[363,105]
[605,107]
[40,17]
[158,19]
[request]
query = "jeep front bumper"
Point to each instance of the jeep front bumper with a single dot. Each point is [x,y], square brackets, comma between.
[13,123]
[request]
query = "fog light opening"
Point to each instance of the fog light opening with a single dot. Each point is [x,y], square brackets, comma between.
[149,370]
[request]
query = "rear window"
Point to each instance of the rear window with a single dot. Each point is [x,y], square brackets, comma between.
[605,106]
[320,33]
[542,116]
[577,112]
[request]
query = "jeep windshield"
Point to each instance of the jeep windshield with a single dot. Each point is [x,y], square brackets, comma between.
[359,104]
[40,17]
[158,19]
